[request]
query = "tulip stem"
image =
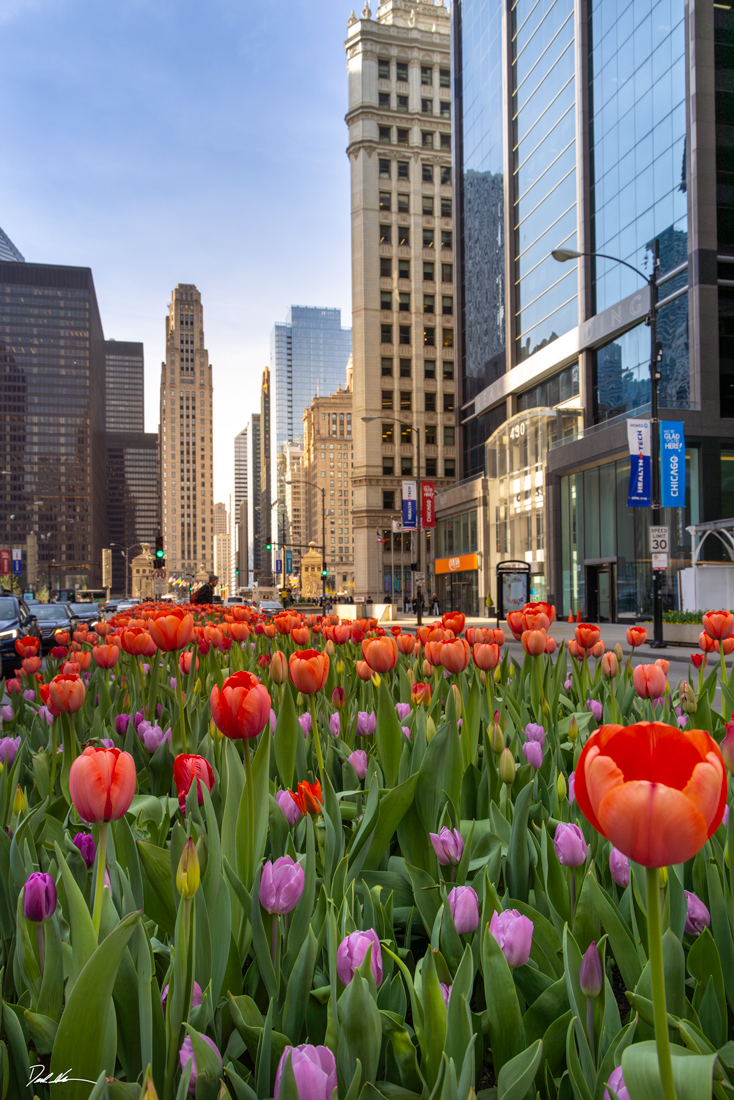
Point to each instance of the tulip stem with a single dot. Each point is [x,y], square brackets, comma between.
[657,975]
[99,880]
[316,738]
[251,811]
[41,946]
[181,721]
[590,1024]
[53,758]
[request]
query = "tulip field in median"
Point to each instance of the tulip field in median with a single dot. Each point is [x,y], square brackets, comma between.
[306,860]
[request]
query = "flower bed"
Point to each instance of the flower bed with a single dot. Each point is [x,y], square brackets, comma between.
[270,859]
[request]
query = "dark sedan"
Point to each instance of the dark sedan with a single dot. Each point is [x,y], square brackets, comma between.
[88,613]
[52,617]
[16,621]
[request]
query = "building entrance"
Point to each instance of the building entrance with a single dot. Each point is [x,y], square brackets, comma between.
[601,589]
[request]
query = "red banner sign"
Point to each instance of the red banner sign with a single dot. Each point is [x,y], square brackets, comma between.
[4,561]
[428,503]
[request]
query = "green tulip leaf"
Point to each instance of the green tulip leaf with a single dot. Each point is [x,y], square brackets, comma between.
[517,1075]
[692,1073]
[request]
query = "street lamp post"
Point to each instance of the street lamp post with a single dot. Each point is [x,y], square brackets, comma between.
[125,554]
[394,420]
[324,513]
[656,354]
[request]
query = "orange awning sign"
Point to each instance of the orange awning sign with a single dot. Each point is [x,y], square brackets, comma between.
[458,564]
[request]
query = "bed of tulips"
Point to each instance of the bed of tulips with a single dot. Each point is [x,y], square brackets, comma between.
[255,859]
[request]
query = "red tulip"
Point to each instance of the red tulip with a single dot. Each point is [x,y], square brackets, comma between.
[515,623]
[188,767]
[184,663]
[301,635]
[649,681]
[717,624]
[67,693]
[105,656]
[309,798]
[341,633]
[454,620]
[534,618]
[172,629]
[498,637]
[636,635]
[308,670]
[587,635]
[455,655]
[420,695]
[102,784]
[241,709]
[657,792]
[27,647]
[486,656]
[698,659]
[381,654]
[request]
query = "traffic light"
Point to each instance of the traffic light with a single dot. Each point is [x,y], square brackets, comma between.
[160,554]
[324,573]
[268,546]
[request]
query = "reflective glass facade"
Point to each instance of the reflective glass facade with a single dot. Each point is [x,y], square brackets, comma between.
[133,497]
[544,170]
[125,365]
[8,251]
[253,499]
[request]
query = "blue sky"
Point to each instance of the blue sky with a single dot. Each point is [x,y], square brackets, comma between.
[161,142]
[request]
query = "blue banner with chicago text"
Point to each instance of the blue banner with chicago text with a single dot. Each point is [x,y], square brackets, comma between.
[672,464]
[640,487]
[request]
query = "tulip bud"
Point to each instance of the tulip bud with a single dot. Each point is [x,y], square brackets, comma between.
[688,701]
[573,728]
[340,668]
[19,802]
[411,675]
[430,729]
[188,873]
[507,767]
[330,648]
[619,652]
[498,738]
[427,669]
[561,786]
[727,746]
[482,677]
[663,877]
[591,976]
[376,680]
[498,675]
[338,698]
[39,897]
[278,668]
[457,699]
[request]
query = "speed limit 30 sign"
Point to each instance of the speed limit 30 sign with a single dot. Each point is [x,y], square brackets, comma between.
[659,539]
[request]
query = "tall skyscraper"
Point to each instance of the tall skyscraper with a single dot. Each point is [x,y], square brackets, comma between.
[125,367]
[186,439]
[599,129]
[266,500]
[239,526]
[8,251]
[254,544]
[399,152]
[219,523]
[52,420]
[240,469]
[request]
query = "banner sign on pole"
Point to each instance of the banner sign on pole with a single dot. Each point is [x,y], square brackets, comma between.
[289,561]
[428,503]
[4,562]
[17,562]
[638,435]
[397,526]
[278,566]
[673,463]
[410,506]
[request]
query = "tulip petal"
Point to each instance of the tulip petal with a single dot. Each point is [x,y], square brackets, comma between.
[602,776]
[704,787]
[653,824]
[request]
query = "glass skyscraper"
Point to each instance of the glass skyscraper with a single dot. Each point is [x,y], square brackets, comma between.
[8,251]
[125,367]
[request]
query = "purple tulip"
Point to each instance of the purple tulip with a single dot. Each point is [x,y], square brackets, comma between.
[107,742]
[535,733]
[174,682]
[146,668]
[186,1055]
[45,713]
[87,847]
[697,915]
[591,976]
[281,885]
[314,1069]
[9,749]
[568,684]
[616,1082]
[137,719]
[596,708]
[158,710]
[122,721]
[39,897]
[619,867]
[306,723]
[446,990]
[572,788]
[273,720]
[358,760]
[533,751]
[366,723]
[153,736]
[725,819]
[406,731]
[8,714]
[290,809]
[29,695]
[514,934]
[403,710]
[448,846]
[570,845]
[464,906]
[196,998]
[351,952]
[335,724]
[459,723]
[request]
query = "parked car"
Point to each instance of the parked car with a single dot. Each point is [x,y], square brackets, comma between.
[232,600]
[16,621]
[52,617]
[88,613]
[270,608]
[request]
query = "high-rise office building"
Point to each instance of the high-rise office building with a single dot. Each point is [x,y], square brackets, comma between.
[601,129]
[8,252]
[220,522]
[125,368]
[266,498]
[52,420]
[242,559]
[399,121]
[186,439]
[254,544]
[240,469]
[239,527]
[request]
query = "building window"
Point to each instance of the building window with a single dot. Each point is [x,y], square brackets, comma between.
[447,273]
[429,301]
[448,370]
[427,203]
[446,142]
[445,109]
[444,78]
[383,69]
[387,399]
[404,236]
[385,267]
[403,137]
[426,106]
[447,238]
[385,132]
[427,238]
[405,400]
[448,402]
[431,466]
[427,173]
[406,433]
[387,433]
[403,269]
[405,334]
[445,208]
[386,334]
[385,302]
[405,369]
[449,432]
[403,170]
[447,309]
[428,271]
[404,303]
[385,234]
[446,175]
[402,70]
[385,200]
[388,500]
[429,368]
[402,101]
[385,173]
[429,337]
[383,100]
[449,467]
[403,204]
[426,75]
[427,139]
[430,402]
[448,337]
[388,466]
[431,435]
[406,466]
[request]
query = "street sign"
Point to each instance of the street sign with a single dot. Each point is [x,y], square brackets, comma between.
[659,540]
[159,583]
[17,562]
[159,574]
[420,578]
[4,562]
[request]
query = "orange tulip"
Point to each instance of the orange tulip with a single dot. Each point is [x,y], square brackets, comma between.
[649,681]
[663,664]
[718,624]
[587,635]
[102,784]
[597,650]
[309,798]
[575,650]
[27,647]
[30,665]
[241,709]
[269,630]
[551,645]
[541,607]
[301,635]
[239,632]
[363,670]
[405,644]
[515,623]
[433,652]
[61,637]
[707,643]
[636,635]
[381,654]
[454,620]
[655,791]
[278,667]
[105,656]
[533,642]
[67,693]
[455,655]
[609,665]
[428,668]
[341,633]
[184,662]
[535,619]
[486,656]
[420,695]
[242,614]
[102,628]
[172,629]
[308,670]
[498,637]
[422,633]
[80,636]
[71,668]
[476,634]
